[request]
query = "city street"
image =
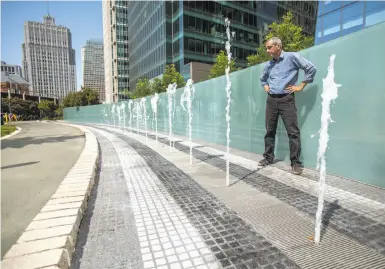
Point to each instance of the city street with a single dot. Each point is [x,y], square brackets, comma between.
[33,164]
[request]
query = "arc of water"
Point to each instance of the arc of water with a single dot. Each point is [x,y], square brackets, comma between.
[228,94]
[154,106]
[329,94]
[187,96]
[171,89]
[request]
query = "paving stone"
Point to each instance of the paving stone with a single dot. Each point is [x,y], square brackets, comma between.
[49,223]
[49,208]
[65,200]
[44,259]
[58,214]
[32,235]
[37,246]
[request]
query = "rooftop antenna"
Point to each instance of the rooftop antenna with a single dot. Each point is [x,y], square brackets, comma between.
[48,7]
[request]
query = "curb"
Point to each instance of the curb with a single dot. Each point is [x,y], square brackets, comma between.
[50,239]
[18,130]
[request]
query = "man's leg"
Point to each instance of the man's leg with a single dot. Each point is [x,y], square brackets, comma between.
[288,112]
[271,121]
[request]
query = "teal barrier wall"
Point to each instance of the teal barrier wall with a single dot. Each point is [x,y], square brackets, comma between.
[357,136]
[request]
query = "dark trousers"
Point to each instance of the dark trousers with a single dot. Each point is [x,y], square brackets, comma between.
[284,106]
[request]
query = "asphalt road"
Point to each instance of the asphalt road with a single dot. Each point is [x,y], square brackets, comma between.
[33,164]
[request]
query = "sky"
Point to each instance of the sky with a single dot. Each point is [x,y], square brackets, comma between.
[83,18]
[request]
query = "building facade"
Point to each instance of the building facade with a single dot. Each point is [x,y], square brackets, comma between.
[180,32]
[11,69]
[340,18]
[93,67]
[48,58]
[115,38]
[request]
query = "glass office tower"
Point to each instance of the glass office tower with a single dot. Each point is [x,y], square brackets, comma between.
[339,18]
[180,32]
[116,54]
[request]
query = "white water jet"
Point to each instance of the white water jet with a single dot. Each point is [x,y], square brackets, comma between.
[187,96]
[329,94]
[143,105]
[123,114]
[137,114]
[105,116]
[154,106]
[119,115]
[113,114]
[171,89]
[129,108]
[228,94]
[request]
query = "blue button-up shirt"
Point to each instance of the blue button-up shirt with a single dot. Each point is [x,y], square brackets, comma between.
[279,74]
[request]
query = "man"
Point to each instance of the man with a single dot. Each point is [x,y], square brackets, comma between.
[278,79]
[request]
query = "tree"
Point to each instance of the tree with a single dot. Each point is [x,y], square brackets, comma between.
[290,34]
[89,97]
[220,65]
[156,86]
[84,97]
[27,109]
[171,76]
[47,108]
[72,99]
[143,88]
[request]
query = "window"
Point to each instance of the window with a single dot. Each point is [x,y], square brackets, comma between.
[332,25]
[375,12]
[330,5]
[352,17]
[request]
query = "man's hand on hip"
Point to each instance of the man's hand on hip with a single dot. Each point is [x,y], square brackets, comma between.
[267,88]
[293,88]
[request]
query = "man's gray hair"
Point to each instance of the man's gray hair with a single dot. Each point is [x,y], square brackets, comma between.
[275,41]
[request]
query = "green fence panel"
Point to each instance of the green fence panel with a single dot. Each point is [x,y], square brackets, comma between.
[357,135]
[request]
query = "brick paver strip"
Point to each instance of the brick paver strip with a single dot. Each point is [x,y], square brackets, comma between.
[49,240]
[107,235]
[234,243]
[360,228]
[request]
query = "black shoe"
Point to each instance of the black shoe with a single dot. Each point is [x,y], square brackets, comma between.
[296,169]
[264,162]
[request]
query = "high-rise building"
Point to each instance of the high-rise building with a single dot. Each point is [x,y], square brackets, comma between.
[48,58]
[340,18]
[180,32]
[115,36]
[93,67]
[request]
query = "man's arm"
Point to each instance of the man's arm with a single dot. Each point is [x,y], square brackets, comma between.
[264,77]
[309,69]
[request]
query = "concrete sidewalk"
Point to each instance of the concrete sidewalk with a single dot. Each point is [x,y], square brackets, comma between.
[153,209]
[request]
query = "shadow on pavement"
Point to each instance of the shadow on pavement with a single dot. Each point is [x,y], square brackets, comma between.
[328,215]
[17,165]
[210,157]
[24,141]
[245,176]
